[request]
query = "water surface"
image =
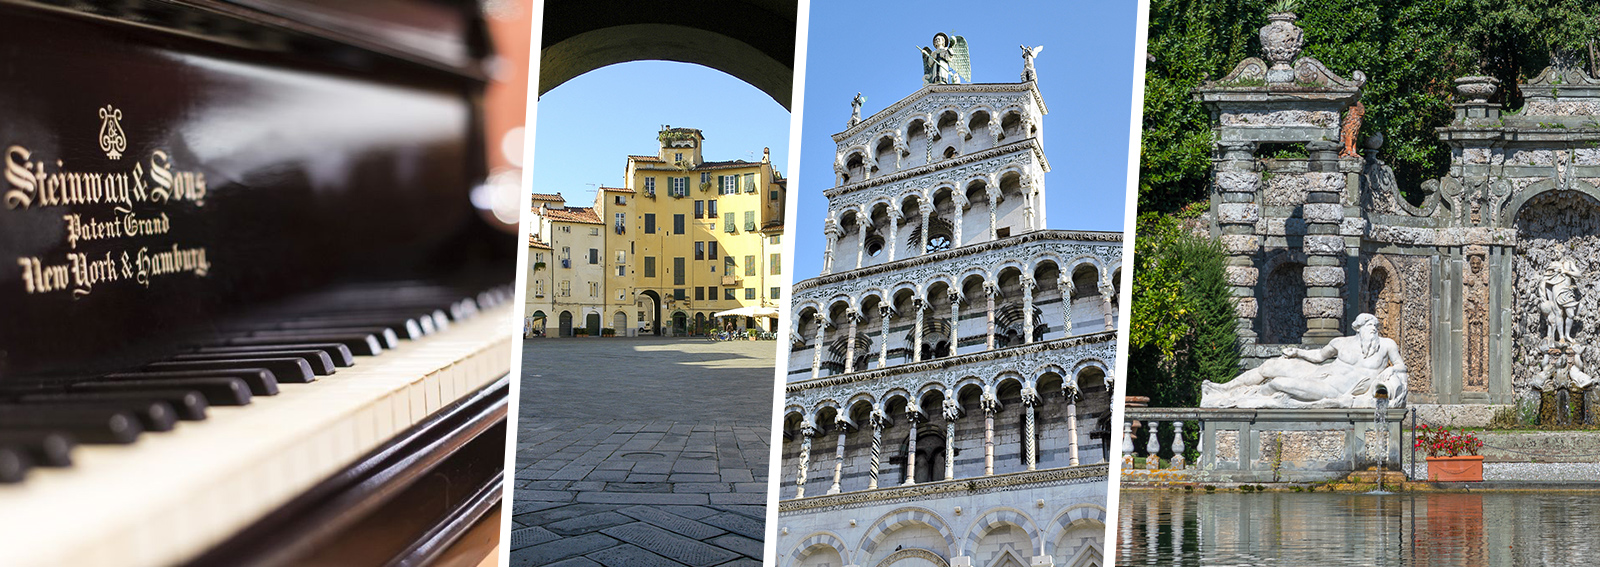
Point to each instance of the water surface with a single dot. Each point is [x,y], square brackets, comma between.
[1225,529]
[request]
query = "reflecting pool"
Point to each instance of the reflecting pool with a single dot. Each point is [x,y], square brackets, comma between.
[1224,529]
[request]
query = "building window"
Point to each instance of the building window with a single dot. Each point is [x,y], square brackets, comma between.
[749,221]
[538,288]
[622,257]
[773,195]
[749,293]
[775,293]
[649,266]
[594,255]
[699,293]
[622,271]
[750,266]
[776,265]
[727,223]
[622,221]
[620,200]
[677,271]
[565,289]
[594,232]
[594,289]
[776,239]
[649,185]
[711,252]
[649,223]
[699,250]
[680,186]
[749,182]
[729,184]
[699,209]
[705,177]
[566,229]
[677,156]
[727,265]
[711,209]
[728,294]
[566,256]
[711,293]
[677,224]
[679,294]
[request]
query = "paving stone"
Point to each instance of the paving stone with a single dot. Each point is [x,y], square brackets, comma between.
[733,498]
[626,555]
[690,512]
[557,514]
[670,545]
[550,552]
[636,478]
[639,487]
[706,487]
[546,485]
[760,487]
[738,475]
[614,465]
[587,523]
[672,522]
[737,523]
[587,485]
[607,475]
[689,466]
[643,498]
[738,544]
[525,506]
[742,562]
[573,471]
[751,511]
[694,477]
[545,495]
[571,562]
[531,536]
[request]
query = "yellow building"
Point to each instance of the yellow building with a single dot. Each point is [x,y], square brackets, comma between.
[703,236]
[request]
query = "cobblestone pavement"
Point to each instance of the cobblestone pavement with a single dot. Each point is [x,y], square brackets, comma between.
[642,452]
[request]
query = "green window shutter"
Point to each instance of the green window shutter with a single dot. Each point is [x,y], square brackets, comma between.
[750,266]
[749,221]
[727,222]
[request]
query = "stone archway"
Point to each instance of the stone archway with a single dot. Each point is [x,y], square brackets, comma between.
[566,323]
[654,311]
[749,39]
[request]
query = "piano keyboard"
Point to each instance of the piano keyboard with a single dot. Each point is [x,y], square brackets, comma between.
[154,465]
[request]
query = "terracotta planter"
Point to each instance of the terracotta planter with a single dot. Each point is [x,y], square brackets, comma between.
[1467,468]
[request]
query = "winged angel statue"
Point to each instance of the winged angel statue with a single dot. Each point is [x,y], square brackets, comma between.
[947,62]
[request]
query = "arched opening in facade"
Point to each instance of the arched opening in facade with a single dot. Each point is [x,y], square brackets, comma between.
[538,322]
[950,139]
[591,323]
[566,323]
[653,310]
[975,218]
[916,144]
[1280,317]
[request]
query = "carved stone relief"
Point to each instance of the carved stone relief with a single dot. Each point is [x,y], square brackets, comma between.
[1551,227]
[1475,284]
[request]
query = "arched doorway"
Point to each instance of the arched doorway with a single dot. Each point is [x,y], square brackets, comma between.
[538,320]
[591,322]
[653,311]
[566,323]
[699,323]
[680,324]
[619,323]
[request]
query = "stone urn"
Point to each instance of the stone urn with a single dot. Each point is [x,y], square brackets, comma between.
[1477,89]
[1465,468]
[1281,41]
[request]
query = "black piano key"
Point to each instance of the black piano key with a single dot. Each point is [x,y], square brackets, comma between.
[188,405]
[153,415]
[360,344]
[14,463]
[261,381]
[45,448]
[406,327]
[386,337]
[337,353]
[217,391]
[86,424]
[288,370]
[320,363]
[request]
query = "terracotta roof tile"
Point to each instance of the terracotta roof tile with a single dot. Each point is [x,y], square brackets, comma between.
[617,189]
[533,242]
[548,197]
[585,215]
[647,158]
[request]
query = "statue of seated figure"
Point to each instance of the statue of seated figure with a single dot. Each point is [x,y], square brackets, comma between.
[1344,374]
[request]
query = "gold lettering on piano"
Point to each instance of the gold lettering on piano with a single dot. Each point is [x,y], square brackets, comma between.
[126,224]
[82,271]
[32,184]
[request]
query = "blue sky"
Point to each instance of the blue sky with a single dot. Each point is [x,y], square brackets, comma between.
[1085,75]
[589,125]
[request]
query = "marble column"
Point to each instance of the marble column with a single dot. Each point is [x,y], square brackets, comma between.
[830,233]
[916,333]
[952,411]
[861,239]
[878,420]
[1106,293]
[961,208]
[913,417]
[1030,446]
[850,341]
[991,406]
[927,229]
[955,321]
[1068,291]
[1072,427]
[994,201]
[1027,309]
[838,456]
[807,431]
[894,233]
[822,343]
[990,290]
[885,313]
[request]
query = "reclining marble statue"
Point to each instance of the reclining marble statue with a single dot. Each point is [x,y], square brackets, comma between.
[1344,374]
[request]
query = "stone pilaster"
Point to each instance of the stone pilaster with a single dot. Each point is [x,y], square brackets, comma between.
[1324,273]
[1238,186]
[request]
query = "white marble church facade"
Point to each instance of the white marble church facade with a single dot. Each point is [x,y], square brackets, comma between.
[949,385]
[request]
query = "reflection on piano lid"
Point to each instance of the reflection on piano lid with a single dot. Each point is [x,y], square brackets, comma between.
[250,313]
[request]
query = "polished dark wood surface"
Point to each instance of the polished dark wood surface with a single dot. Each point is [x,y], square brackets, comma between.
[336,141]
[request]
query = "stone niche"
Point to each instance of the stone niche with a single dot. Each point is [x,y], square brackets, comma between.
[1552,226]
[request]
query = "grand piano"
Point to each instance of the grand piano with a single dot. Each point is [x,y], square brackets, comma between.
[249,313]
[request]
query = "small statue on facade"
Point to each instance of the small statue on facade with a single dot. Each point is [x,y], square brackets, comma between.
[952,408]
[1027,62]
[1558,299]
[947,62]
[855,109]
[1343,374]
[1350,128]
